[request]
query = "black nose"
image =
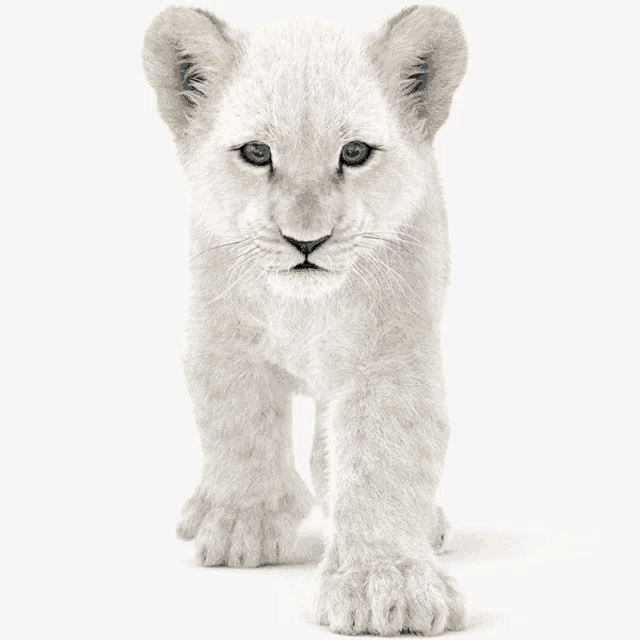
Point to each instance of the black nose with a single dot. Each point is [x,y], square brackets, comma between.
[306,247]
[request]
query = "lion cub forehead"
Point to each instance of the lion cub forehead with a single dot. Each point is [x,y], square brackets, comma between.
[305,75]
[303,43]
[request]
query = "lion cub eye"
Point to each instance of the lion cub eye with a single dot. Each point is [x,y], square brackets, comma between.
[355,153]
[256,153]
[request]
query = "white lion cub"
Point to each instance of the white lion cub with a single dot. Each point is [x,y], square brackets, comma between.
[319,263]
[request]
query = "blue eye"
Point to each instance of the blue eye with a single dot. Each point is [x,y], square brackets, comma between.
[256,153]
[355,153]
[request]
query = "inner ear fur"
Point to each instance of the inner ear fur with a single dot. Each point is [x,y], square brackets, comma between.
[188,56]
[421,56]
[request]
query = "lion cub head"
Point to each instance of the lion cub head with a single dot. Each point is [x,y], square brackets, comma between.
[306,147]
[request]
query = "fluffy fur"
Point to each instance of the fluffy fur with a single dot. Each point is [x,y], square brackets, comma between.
[362,337]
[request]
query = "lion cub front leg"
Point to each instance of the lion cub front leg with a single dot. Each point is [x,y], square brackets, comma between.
[380,575]
[251,499]
[319,466]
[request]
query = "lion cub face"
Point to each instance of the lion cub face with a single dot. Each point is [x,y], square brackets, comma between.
[307,147]
[305,159]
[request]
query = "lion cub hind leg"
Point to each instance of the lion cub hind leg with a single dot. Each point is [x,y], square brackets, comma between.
[251,499]
[318,463]
[442,538]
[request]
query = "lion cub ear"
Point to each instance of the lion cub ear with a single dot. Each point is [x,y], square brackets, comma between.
[188,56]
[421,56]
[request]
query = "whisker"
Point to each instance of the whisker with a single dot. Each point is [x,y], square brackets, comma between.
[389,270]
[372,237]
[399,244]
[219,246]
[229,287]
[242,259]
[399,236]
[374,277]
[357,272]
[395,253]
[385,270]
[396,231]
[402,225]
[398,289]
[238,266]
[377,270]
[266,270]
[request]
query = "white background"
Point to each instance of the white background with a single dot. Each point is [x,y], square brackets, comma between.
[539,165]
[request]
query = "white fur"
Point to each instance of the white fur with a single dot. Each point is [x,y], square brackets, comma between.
[362,337]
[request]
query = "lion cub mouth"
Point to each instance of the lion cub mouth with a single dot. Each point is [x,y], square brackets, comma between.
[306,265]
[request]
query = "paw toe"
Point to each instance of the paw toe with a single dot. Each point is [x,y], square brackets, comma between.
[246,541]
[456,620]
[193,513]
[212,540]
[386,595]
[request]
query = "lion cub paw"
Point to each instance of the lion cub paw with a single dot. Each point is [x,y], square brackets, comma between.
[387,598]
[234,536]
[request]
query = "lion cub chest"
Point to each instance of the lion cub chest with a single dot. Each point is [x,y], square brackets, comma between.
[299,341]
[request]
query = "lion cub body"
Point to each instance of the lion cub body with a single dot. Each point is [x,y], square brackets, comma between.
[361,334]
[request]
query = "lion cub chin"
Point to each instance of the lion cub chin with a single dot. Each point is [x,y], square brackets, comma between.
[319,263]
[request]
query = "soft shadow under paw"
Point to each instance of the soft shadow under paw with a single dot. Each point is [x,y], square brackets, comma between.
[468,544]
